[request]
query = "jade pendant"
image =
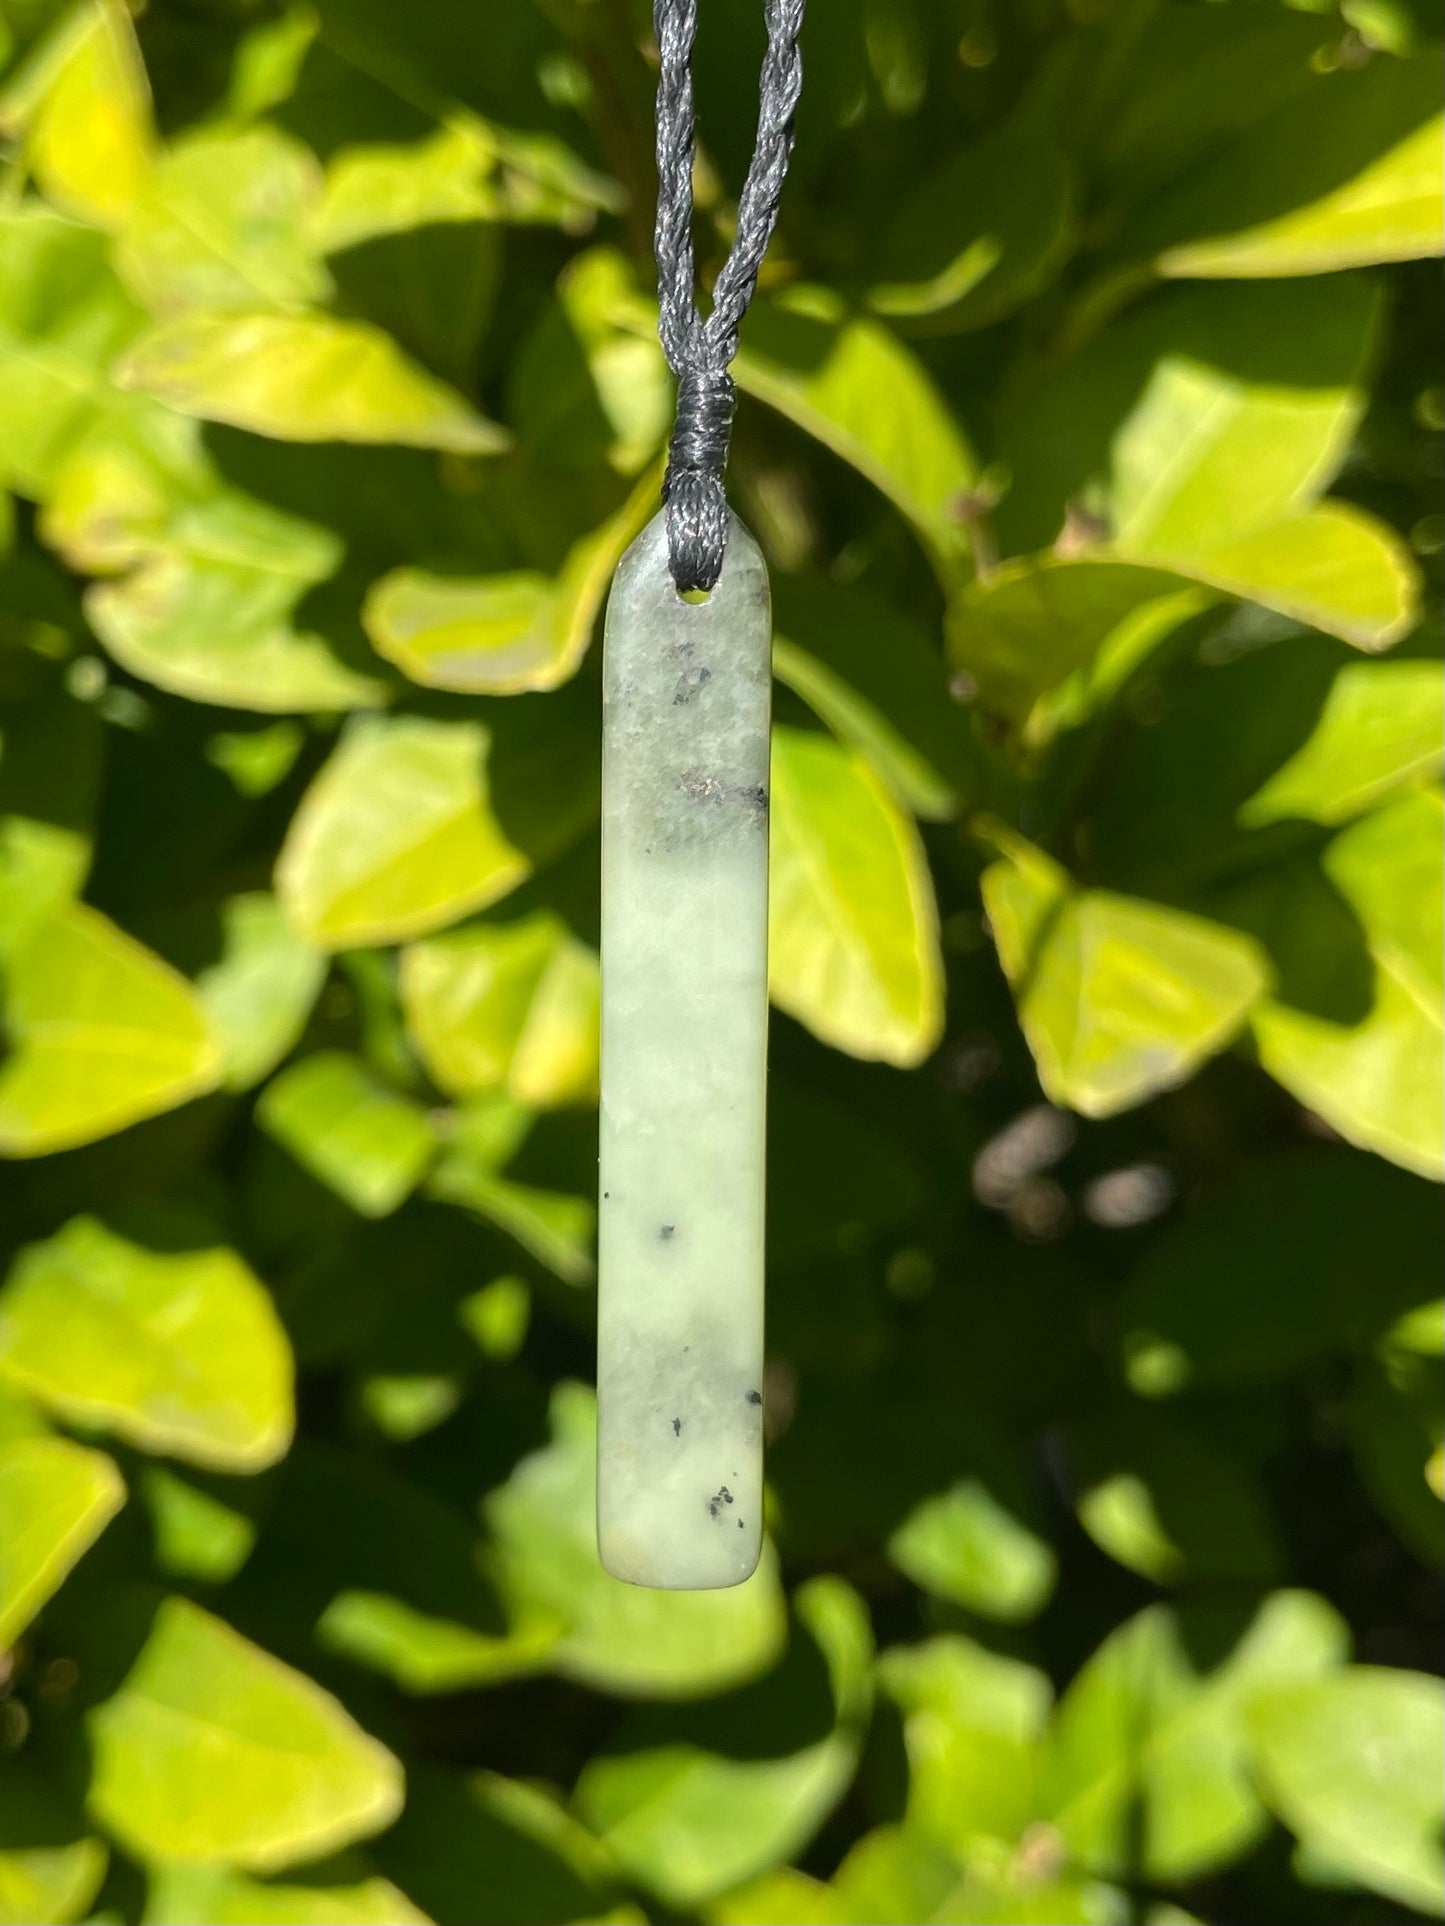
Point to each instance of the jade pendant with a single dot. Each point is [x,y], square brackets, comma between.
[686,702]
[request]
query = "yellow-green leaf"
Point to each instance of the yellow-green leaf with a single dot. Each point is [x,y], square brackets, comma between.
[207,613]
[261,989]
[390,189]
[303,377]
[172,1345]
[396,836]
[1118,998]
[50,1869]
[1345,173]
[212,1750]
[222,224]
[55,1500]
[180,1895]
[85,107]
[102,1033]
[1371,1068]
[497,634]
[853,385]
[365,1142]
[506,1006]
[853,928]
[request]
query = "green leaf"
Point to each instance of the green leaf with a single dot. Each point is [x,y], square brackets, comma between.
[424,1654]
[498,634]
[303,378]
[1149,1766]
[853,930]
[703,1800]
[500,1852]
[1205,413]
[973,1725]
[361,1139]
[261,989]
[1118,998]
[1300,1257]
[180,1895]
[1355,1029]
[56,1498]
[173,1345]
[63,316]
[1330,566]
[554,1226]
[198,1536]
[892,1875]
[620,1638]
[1380,724]
[1351,1763]
[208,612]
[396,836]
[978,236]
[102,1033]
[210,1749]
[1024,629]
[852,385]
[1345,173]
[1169,1502]
[389,189]
[509,1006]
[50,1870]
[878,684]
[223,224]
[85,107]
[963,1545]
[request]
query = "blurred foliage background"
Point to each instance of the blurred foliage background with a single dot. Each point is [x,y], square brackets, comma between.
[1092,425]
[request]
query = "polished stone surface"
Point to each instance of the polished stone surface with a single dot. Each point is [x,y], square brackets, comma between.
[686,694]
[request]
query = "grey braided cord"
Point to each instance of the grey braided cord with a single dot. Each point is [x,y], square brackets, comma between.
[698,351]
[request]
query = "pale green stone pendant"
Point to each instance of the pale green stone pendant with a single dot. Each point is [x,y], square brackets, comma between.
[686,694]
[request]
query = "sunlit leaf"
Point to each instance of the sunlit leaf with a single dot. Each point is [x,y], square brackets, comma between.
[261,989]
[1351,1763]
[1149,1765]
[853,936]
[510,1005]
[303,378]
[85,108]
[210,1749]
[1118,998]
[620,1638]
[497,634]
[1355,1028]
[208,612]
[963,1545]
[396,836]
[55,1500]
[223,224]
[364,1141]
[180,1895]
[379,189]
[50,1867]
[173,1345]
[690,1807]
[1345,173]
[854,386]
[102,1034]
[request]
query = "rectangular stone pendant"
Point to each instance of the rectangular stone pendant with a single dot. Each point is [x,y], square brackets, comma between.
[686,706]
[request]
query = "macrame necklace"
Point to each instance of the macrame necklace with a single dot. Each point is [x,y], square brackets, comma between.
[686,709]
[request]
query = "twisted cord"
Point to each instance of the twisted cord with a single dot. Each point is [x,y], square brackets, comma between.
[698,350]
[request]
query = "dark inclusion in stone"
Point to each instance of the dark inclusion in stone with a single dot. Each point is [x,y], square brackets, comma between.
[755,1397]
[677,1427]
[690,683]
[714,1505]
[666,1232]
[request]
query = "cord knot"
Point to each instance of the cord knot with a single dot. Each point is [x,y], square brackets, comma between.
[697,513]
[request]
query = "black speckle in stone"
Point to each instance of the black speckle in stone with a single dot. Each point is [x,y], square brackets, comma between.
[712,1507]
[740,1524]
[755,1397]
[725,1495]
[677,1427]
[755,797]
[605,1195]
[666,1232]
